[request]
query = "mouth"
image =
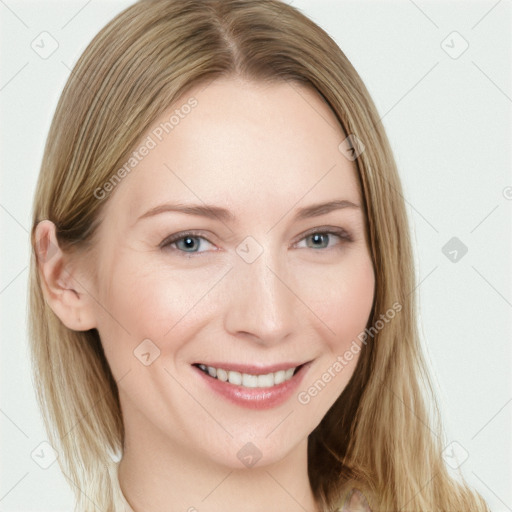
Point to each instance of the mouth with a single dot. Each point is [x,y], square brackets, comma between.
[253,386]
[253,378]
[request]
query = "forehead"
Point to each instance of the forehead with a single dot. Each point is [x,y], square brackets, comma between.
[242,143]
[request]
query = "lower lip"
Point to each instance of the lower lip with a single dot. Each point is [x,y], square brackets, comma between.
[256,398]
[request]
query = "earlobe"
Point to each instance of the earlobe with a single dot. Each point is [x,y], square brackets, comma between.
[64,292]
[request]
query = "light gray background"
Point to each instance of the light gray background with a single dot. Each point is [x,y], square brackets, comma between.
[448,120]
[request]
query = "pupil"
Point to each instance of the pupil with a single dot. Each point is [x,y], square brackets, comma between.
[318,238]
[189,242]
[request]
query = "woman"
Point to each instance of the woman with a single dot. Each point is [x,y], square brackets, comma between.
[266,371]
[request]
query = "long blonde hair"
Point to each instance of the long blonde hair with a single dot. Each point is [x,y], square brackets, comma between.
[380,435]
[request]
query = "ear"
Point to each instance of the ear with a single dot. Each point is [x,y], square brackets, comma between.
[64,287]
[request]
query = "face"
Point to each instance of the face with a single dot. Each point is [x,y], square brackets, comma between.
[268,294]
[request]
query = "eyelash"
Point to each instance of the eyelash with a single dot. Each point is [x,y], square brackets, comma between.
[167,242]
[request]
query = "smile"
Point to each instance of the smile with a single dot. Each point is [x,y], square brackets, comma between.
[251,386]
[249,380]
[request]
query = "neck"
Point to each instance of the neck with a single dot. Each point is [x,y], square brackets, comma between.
[161,476]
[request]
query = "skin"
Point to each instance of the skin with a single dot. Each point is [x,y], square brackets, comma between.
[262,151]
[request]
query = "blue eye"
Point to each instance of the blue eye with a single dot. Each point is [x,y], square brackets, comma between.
[189,242]
[323,236]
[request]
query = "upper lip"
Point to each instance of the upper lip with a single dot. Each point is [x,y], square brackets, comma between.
[252,369]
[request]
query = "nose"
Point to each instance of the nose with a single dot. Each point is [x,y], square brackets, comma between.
[261,301]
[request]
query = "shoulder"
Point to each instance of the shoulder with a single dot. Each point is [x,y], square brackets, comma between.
[355,502]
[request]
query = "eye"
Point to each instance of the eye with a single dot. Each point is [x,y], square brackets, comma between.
[320,237]
[187,242]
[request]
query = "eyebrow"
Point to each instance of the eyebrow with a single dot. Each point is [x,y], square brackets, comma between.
[224,215]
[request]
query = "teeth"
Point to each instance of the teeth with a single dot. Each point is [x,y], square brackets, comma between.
[247,380]
[279,377]
[265,381]
[234,377]
[222,375]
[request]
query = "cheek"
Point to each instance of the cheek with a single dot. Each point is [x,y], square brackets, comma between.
[344,306]
[352,305]
[141,300]
[342,299]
